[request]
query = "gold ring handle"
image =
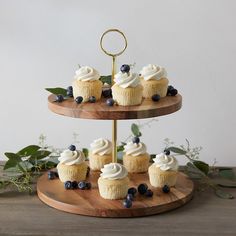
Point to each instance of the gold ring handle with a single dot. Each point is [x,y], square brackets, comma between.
[105,51]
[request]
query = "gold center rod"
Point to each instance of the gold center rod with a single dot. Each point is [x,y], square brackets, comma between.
[114,122]
[114,141]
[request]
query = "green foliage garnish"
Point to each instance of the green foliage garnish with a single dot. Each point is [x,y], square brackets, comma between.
[135,130]
[202,166]
[106,79]
[222,194]
[57,91]
[23,166]
[86,152]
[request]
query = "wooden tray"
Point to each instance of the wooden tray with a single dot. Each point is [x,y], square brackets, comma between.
[100,110]
[89,202]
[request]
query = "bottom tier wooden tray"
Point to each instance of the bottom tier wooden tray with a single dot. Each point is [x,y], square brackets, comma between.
[89,202]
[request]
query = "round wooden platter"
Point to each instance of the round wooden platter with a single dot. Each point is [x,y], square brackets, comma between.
[100,110]
[89,202]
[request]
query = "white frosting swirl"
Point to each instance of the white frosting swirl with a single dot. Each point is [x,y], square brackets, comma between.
[153,72]
[101,147]
[125,80]
[165,162]
[69,157]
[86,73]
[113,171]
[135,149]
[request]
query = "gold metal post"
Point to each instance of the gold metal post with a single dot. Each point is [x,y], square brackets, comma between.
[114,141]
[114,122]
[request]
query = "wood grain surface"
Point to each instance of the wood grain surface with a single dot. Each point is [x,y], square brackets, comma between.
[89,202]
[100,110]
[22,214]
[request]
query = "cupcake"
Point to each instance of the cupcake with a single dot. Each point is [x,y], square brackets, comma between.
[72,166]
[154,81]
[127,90]
[100,153]
[87,83]
[163,171]
[136,159]
[113,181]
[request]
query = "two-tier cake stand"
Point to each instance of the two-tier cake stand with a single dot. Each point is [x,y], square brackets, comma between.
[89,202]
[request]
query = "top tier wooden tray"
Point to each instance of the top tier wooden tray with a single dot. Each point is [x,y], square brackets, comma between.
[100,111]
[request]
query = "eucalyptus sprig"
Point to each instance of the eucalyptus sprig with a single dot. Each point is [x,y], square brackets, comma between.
[23,166]
[203,172]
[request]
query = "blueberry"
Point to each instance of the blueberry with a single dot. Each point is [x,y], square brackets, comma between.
[59,98]
[68,185]
[127,203]
[88,171]
[167,152]
[88,185]
[165,189]
[51,175]
[92,99]
[110,102]
[79,99]
[125,68]
[156,97]
[170,87]
[132,191]
[69,91]
[171,91]
[74,185]
[136,140]
[72,147]
[142,188]
[106,93]
[149,193]
[82,185]
[130,197]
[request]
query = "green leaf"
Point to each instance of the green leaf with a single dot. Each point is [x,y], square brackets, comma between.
[57,91]
[223,194]
[177,150]
[14,159]
[227,173]
[135,130]
[11,155]
[120,148]
[25,166]
[106,79]
[53,159]
[85,151]
[152,156]
[50,164]
[226,183]
[202,166]
[191,168]
[40,154]
[28,151]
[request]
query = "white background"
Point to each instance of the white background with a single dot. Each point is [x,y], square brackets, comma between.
[41,43]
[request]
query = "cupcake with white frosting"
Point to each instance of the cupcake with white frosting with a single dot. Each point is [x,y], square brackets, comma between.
[72,166]
[163,171]
[136,159]
[113,182]
[154,81]
[127,90]
[87,83]
[100,153]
